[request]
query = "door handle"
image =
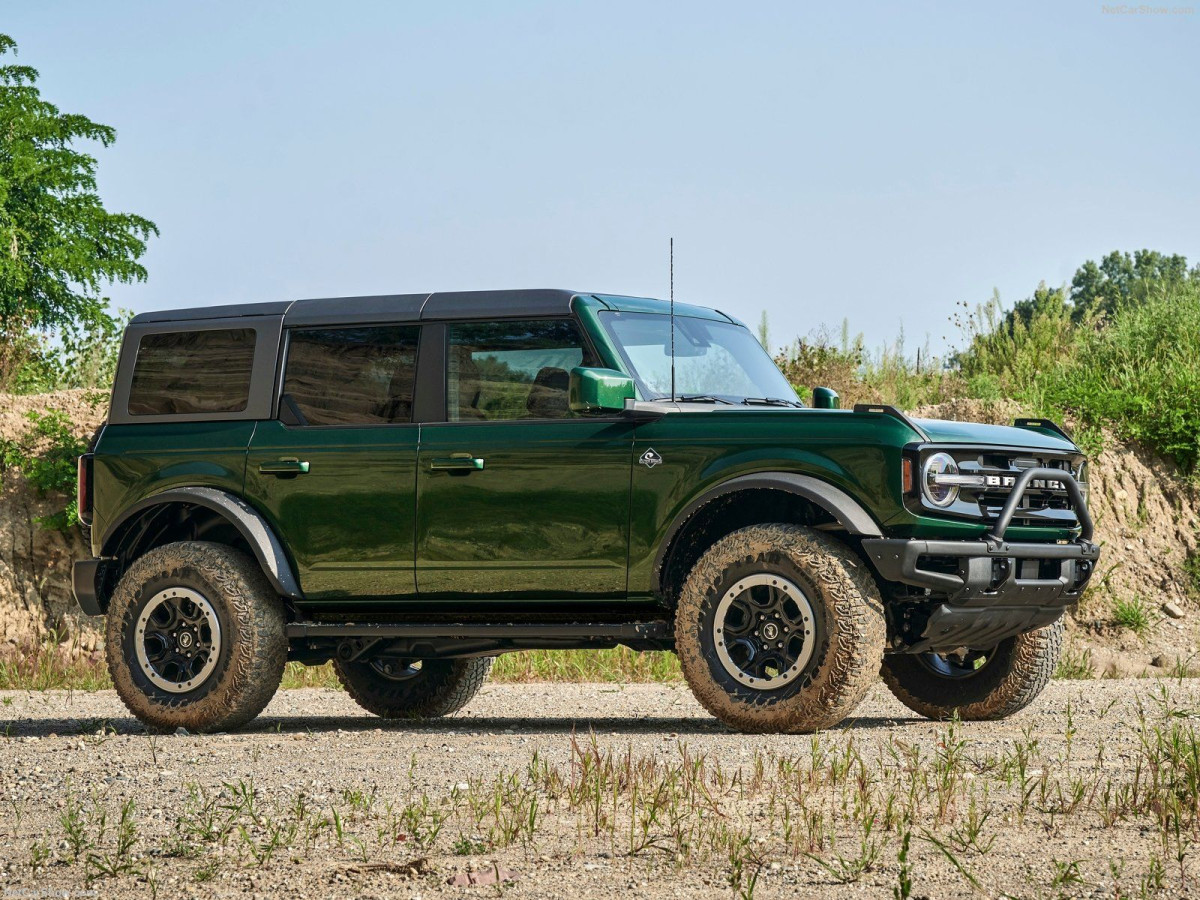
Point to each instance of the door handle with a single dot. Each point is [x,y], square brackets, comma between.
[283,467]
[459,462]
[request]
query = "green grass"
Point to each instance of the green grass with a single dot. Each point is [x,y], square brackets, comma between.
[1191,573]
[1075,665]
[1133,613]
[51,665]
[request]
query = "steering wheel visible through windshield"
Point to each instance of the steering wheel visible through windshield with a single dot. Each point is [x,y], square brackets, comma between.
[713,360]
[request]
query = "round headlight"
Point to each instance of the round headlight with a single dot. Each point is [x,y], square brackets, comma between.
[939,494]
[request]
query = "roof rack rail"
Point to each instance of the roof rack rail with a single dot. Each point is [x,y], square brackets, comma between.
[886,410]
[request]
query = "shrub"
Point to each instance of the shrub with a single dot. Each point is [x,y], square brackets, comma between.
[1191,572]
[46,456]
[1140,376]
[82,354]
[1008,353]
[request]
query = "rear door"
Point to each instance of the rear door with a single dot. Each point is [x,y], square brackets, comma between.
[517,495]
[335,473]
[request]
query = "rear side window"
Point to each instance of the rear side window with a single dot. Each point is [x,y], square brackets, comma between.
[351,376]
[188,372]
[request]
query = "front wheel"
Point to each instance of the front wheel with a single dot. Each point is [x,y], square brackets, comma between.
[980,685]
[394,688]
[779,629]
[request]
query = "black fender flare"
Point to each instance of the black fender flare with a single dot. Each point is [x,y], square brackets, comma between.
[848,511]
[268,549]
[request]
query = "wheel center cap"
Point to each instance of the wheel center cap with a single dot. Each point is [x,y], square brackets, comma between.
[185,640]
[770,631]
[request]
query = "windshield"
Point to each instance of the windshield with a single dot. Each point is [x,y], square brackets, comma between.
[712,359]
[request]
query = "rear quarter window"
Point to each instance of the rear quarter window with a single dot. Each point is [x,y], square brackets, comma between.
[191,372]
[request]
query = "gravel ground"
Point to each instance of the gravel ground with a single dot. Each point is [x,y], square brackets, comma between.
[354,809]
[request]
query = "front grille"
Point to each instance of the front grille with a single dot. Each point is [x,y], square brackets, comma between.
[1045,502]
[1041,494]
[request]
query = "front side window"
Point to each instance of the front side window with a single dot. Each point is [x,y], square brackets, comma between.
[192,372]
[712,359]
[351,376]
[512,370]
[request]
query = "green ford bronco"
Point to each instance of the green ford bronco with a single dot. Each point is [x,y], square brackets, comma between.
[411,485]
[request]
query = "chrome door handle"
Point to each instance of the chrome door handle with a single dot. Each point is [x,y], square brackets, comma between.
[459,462]
[284,467]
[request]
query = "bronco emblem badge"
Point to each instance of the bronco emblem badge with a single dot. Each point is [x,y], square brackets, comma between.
[650,458]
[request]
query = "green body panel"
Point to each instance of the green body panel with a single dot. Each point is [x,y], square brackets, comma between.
[859,453]
[547,516]
[534,510]
[135,461]
[348,522]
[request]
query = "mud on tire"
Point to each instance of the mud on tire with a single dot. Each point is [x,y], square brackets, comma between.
[438,687]
[248,653]
[1015,672]
[846,623]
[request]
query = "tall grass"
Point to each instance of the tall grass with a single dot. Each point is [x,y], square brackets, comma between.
[1134,370]
[1140,376]
[53,665]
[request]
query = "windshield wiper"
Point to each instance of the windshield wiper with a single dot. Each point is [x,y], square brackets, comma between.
[701,398]
[771,401]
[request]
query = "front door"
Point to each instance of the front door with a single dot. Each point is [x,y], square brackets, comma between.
[516,495]
[336,475]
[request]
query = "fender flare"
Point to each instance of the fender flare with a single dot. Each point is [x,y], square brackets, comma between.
[848,511]
[246,519]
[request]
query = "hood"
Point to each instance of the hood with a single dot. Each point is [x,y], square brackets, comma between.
[943,432]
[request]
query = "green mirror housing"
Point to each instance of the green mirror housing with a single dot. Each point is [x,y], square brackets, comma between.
[826,398]
[599,390]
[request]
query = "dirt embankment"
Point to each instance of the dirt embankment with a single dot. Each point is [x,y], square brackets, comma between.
[35,563]
[1147,519]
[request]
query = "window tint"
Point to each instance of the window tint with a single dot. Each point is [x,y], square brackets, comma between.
[512,370]
[192,372]
[352,376]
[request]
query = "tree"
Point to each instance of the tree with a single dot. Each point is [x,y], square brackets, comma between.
[58,244]
[1120,279]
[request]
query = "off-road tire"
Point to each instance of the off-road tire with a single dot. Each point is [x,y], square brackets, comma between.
[253,647]
[1014,675]
[442,687]
[850,629]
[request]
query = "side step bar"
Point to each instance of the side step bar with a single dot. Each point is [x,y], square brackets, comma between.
[315,642]
[615,631]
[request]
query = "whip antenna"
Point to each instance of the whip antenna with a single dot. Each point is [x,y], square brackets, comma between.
[672,255]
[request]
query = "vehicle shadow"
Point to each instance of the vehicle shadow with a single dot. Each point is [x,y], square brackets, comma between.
[484,727]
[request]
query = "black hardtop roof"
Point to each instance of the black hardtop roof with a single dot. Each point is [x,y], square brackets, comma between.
[417,307]
[384,307]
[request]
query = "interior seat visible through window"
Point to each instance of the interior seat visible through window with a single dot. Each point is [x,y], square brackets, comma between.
[513,370]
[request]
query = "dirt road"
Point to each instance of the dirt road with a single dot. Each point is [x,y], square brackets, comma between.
[604,791]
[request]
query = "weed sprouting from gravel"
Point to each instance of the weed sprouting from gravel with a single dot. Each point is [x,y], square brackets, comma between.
[879,812]
[1075,665]
[1133,613]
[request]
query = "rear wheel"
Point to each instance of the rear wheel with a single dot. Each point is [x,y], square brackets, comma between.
[977,684]
[395,688]
[779,629]
[195,638]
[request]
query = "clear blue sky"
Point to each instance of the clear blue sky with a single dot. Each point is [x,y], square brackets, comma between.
[820,161]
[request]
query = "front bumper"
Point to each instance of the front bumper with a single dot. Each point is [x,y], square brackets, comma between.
[978,593]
